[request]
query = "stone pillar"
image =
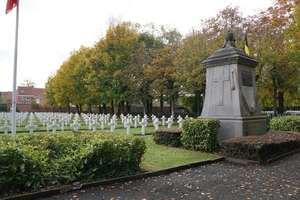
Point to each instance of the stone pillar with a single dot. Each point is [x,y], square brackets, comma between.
[231,93]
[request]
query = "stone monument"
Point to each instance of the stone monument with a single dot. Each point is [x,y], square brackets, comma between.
[231,93]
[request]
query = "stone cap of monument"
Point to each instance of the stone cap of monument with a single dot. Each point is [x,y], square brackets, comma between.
[229,55]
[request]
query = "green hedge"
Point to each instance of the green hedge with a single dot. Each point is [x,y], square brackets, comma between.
[31,161]
[285,123]
[168,136]
[261,147]
[200,134]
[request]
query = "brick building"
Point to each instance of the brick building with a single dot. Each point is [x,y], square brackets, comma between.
[25,97]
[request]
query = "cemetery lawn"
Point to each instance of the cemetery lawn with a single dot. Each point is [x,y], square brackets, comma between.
[158,157]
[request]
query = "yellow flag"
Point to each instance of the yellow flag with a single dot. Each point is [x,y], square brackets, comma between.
[246,49]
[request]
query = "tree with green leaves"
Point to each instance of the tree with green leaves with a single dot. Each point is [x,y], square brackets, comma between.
[274,74]
[113,54]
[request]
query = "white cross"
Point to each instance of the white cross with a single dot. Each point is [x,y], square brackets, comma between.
[156,123]
[169,122]
[143,123]
[54,126]
[220,79]
[102,120]
[75,125]
[47,124]
[128,123]
[180,122]
[94,125]
[31,126]
[112,125]
[163,120]
[5,127]
[135,119]
[63,121]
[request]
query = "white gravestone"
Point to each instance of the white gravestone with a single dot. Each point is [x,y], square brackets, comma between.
[112,125]
[5,127]
[163,120]
[31,127]
[54,126]
[135,119]
[128,124]
[169,122]
[75,125]
[180,122]
[156,123]
[94,125]
[144,124]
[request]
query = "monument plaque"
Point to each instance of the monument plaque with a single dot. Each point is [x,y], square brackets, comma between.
[246,78]
[231,94]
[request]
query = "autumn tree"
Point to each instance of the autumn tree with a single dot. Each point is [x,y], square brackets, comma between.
[190,75]
[112,58]
[292,36]
[69,84]
[163,72]
[274,74]
[49,93]
[200,44]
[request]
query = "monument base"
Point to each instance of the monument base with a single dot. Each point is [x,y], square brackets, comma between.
[240,126]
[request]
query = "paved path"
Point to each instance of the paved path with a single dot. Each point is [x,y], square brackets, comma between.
[224,180]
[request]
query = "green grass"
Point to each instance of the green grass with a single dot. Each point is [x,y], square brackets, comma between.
[159,157]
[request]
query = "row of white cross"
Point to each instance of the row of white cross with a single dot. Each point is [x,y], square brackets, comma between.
[91,120]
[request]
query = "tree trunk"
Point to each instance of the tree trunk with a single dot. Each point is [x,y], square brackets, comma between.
[78,109]
[144,107]
[104,108]
[122,107]
[112,107]
[275,100]
[280,103]
[90,108]
[161,103]
[128,108]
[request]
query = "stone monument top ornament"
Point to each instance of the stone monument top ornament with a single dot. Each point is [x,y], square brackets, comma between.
[229,40]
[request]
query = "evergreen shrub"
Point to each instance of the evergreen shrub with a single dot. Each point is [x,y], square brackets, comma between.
[168,136]
[200,134]
[31,161]
[285,123]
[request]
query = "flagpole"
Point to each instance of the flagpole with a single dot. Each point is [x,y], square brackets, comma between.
[14,104]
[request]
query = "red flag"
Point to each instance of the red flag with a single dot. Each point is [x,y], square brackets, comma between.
[10,5]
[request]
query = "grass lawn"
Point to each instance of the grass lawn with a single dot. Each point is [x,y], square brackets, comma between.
[159,157]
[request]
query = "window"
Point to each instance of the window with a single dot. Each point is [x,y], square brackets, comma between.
[27,98]
[21,98]
[22,91]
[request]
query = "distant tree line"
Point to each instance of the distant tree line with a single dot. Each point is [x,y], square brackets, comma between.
[139,64]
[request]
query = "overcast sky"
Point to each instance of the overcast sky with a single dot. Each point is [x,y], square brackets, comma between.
[50,29]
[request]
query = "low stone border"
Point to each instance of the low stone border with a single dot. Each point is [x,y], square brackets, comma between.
[68,188]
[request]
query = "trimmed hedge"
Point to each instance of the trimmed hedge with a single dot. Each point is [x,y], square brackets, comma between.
[31,161]
[262,147]
[285,123]
[168,136]
[200,134]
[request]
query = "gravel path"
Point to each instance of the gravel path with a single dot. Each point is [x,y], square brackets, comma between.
[223,180]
